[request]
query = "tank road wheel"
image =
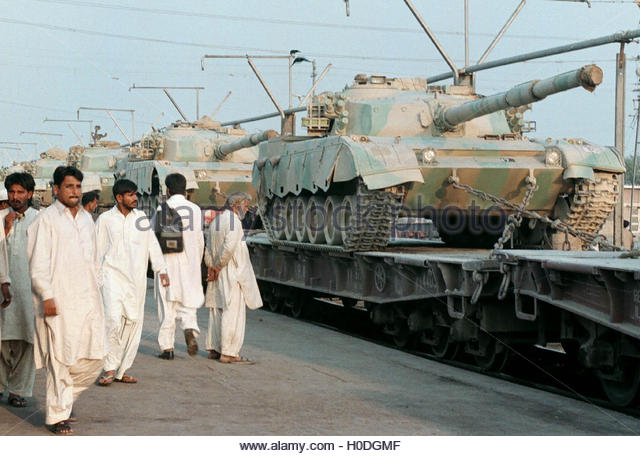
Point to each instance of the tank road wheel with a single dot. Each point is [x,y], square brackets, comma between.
[277,215]
[316,220]
[334,220]
[289,218]
[495,354]
[301,205]
[622,387]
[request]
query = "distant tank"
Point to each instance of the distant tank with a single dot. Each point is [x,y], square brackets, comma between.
[99,163]
[216,161]
[389,147]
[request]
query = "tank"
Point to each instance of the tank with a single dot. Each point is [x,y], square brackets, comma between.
[216,161]
[385,148]
[99,164]
[42,171]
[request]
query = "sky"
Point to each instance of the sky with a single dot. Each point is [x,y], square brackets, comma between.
[58,55]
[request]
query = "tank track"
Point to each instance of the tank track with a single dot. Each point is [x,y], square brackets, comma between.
[593,202]
[375,216]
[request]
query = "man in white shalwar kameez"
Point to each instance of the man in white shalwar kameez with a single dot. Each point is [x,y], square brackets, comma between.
[17,366]
[232,283]
[69,318]
[125,243]
[182,298]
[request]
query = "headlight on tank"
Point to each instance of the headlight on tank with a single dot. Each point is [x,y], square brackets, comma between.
[105,180]
[553,158]
[429,156]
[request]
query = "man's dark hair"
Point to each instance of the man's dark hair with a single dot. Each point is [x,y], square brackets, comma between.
[25,180]
[90,196]
[123,186]
[63,171]
[176,184]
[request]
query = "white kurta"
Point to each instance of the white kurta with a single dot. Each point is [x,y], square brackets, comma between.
[184,268]
[236,287]
[17,368]
[125,245]
[63,266]
[182,298]
[4,263]
[17,320]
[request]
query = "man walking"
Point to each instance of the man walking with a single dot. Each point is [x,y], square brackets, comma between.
[125,244]
[69,318]
[232,282]
[180,300]
[17,366]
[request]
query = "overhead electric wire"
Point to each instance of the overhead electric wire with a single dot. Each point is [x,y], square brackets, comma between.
[284,21]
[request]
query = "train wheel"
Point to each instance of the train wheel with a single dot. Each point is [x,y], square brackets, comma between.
[274,304]
[495,355]
[296,307]
[623,387]
[444,347]
[399,332]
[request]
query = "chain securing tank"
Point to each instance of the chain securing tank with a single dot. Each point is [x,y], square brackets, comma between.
[387,147]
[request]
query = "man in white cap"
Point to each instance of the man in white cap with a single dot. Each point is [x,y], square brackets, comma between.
[4,199]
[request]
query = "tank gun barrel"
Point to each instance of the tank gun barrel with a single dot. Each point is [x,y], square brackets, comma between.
[223,150]
[588,77]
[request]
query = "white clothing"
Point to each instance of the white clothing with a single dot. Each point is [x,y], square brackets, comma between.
[168,313]
[65,383]
[17,368]
[17,319]
[63,267]
[123,343]
[184,268]
[228,250]
[226,330]
[125,245]
[236,287]
[4,263]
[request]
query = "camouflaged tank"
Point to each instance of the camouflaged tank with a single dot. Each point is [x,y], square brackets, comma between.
[384,148]
[216,161]
[99,163]
[42,171]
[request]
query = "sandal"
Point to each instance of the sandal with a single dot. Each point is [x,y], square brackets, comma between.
[61,428]
[16,401]
[107,378]
[235,360]
[126,379]
[214,354]
[72,418]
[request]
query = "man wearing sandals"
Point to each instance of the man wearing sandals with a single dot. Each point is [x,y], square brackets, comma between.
[232,282]
[125,243]
[69,320]
[17,366]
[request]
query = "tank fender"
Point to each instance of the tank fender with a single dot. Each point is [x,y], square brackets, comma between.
[580,157]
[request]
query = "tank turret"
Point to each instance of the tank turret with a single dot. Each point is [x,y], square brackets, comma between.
[589,77]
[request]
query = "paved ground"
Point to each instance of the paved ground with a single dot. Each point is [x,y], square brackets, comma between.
[312,381]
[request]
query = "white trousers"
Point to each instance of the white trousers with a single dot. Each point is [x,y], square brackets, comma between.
[17,367]
[168,313]
[123,339]
[226,329]
[65,383]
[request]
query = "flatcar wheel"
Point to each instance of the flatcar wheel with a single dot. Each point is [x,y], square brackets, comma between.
[624,389]
[444,347]
[399,332]
[296,307]
[274,304]
[495,357]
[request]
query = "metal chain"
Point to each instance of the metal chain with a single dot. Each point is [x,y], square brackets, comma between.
[587,238]
[515,220]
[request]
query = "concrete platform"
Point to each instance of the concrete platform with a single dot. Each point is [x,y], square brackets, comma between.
[312,381]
